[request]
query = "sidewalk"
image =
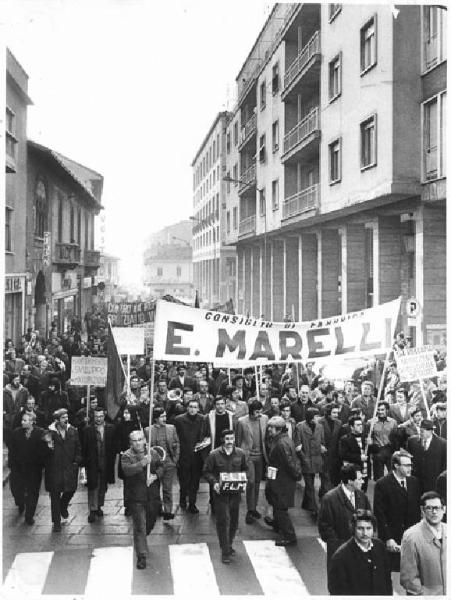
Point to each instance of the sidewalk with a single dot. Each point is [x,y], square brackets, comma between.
[5,465]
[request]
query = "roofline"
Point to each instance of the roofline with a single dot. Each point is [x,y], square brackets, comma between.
[80,165]
[53,155]
[220,115]
[18,63]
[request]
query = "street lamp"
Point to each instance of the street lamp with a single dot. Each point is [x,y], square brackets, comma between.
[174,237]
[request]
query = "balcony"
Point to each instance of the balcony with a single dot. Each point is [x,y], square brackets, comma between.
[303,138]
[92,259]
[247,226]
[301,202]
[248,132]
[250,83]
[309,56]
[67,254]
[11,143]
[248,180]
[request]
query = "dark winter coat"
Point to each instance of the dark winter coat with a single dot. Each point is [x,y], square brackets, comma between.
[189,431]
[282,455]
[61,464]
[91,455]
[427,464]
[311,456]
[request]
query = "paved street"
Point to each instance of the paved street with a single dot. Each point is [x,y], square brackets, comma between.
[184,555]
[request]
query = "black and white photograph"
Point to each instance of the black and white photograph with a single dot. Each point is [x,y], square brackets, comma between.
[224,299]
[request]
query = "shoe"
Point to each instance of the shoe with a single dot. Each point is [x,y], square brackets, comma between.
[168,516]
[21,508]
[182,503]
[249,518]
[141,563]
[160,512]
[92,516]
[255,514]
[29,520]
[192,508]
[127,512]
[286,542]
[57,527]
[232,551]
[314,514]
[99,512]
[64,513]
[269,521]
[226,559]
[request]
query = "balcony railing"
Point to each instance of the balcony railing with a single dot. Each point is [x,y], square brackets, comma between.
[312,47]
[249,129]
[247,225]
[248,178]
[301,202]
[304,128]
[92,258]
[67,254]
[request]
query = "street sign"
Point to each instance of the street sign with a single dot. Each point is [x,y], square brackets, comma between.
[89,370]
[412,307]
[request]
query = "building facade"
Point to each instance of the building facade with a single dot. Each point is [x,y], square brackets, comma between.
[213,261]
[63,199]
[340,198]
[108,275]
[16,280]
[168,263]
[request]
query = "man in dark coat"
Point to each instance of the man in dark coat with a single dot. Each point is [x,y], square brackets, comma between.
[30,408]
[99,457]
[299,406]
[332,432]
[181,380]
[61,465]
[25,460]
[338,506]
[281,483]
[360,567]
[396,504]
[429,456]
[52,399]
[352,447]
[191,430]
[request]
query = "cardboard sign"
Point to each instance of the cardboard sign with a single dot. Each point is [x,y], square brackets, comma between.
[416,363]
[129,340]
[89,370]
[193,334]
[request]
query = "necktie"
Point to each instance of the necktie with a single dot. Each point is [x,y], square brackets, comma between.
[352,499]
[403,483]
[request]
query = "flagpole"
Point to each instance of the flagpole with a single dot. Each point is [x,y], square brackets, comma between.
[379,392]
[152,379]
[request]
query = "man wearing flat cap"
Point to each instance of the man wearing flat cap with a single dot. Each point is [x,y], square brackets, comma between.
[284,469]
[429,455]
[440,420]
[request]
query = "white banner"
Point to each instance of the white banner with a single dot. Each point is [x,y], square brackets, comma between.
[194,334]
[88,370]
[416,363]
[129,340]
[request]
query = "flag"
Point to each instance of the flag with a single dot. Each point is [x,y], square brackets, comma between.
[115,376]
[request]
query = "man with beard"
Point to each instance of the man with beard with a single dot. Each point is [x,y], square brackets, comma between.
[31,409]
[225,459]
[14,397]
[204,398]
[52,399]
[25,460]
[283,471]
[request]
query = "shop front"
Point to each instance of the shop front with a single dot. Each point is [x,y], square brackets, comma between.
[14,307]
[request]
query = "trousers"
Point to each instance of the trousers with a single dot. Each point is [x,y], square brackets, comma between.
[282,522]
[144,516]
[189,477]
[25,487]
[59,501]
[96,496]
[255,474]
[167,482]
[309,500]
[226,511]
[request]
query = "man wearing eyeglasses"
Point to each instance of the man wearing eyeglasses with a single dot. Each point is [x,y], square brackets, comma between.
[423,551]
[396,504]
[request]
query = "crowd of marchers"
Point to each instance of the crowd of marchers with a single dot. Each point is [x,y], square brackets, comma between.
[282,425]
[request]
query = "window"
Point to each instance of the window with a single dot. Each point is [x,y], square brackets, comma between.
[228,142]
[275,194]
[159,271]
[92,232]
[335,161]
[228,221]
[79,227]
[214,150]
[434,142]
[275,79]
[275,136]
[262,95]
[262,201]
[72,224]
[86,231]
[40,202]
[235,173]
[235,217]
[8,217]
[335,77]
[368,45]
[262,150]
[179,271]
[228,181]
[11,140]
[368,143]
[434,36]
[60,217]
[334,9]
[235,133]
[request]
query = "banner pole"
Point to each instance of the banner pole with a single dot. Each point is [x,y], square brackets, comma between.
[88,401]
[379,392]
[230,379]
[428,414]
[256,383]
[152,380]
[297,377]
[128,377]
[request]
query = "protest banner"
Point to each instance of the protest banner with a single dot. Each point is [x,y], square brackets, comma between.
[129,340]
[193,334]
[126,314]
[88,370]
[416,363]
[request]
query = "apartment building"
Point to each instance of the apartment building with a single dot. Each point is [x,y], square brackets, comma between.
[63,198]
[16,281]
[213,262]
[340,189]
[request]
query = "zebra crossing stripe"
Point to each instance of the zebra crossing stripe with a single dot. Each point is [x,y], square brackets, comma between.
[192,571]
[27,575]
[111,570]
[274,569]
